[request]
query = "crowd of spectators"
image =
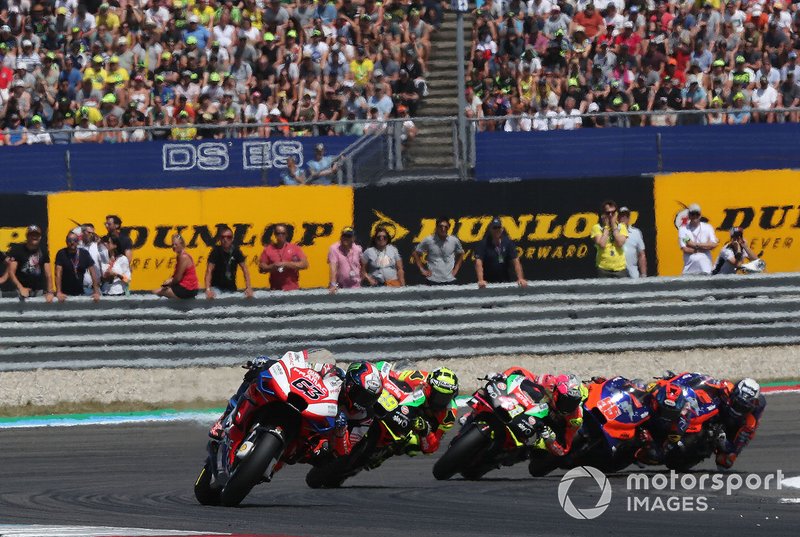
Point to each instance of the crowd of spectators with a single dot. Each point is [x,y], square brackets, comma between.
[558,64]
[69,67]
[93,265]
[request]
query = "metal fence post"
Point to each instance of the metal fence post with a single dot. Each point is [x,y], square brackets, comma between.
[68,164]
[398,145]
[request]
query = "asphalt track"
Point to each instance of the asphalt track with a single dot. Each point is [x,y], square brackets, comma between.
[142,476]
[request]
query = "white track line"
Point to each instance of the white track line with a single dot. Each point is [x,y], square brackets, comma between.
[13,530]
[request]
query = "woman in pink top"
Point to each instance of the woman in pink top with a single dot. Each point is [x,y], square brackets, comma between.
[344,258]
[183,283]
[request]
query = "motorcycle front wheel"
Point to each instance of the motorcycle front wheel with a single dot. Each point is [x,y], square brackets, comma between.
[464,450]
[203,491]
[249,472]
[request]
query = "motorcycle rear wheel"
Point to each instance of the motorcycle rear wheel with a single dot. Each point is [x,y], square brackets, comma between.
[461,452]
[203,491]
[249,472]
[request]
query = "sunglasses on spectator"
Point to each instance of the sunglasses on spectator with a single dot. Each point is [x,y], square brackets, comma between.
[611,212]
[226,236]
[72,240]
[444,225]
[382,237]
[280,233]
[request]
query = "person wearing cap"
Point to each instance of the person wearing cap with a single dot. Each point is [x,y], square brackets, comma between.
[115,74]
[734,254]
[696,240]
[15,133]
[37,134]
[107,17]
[496,259]
[344,260]
[694,98]
[28,267]
[318,48]
[555,22]
[214,88]
[182,131]
[742,75]
[609,236]
[85,130]
[322,168]
[763,99]
[635,257]
[28,58]
[740,110]
[194,30]
[96,73]
[282,260]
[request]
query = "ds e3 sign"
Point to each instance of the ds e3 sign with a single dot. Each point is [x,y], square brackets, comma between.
[216,156]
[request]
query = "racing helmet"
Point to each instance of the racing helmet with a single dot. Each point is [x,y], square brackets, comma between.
[363,385]
[668,401]
[568,393]
[744,396]
[442,388]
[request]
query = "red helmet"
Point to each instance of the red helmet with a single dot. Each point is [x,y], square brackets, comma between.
[567,394]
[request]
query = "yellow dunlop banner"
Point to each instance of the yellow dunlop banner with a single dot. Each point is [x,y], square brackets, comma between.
[765,203]
[315,216]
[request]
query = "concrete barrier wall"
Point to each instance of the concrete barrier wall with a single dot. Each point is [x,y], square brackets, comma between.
[407,323]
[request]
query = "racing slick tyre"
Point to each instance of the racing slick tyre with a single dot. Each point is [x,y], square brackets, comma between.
[250,470]
[203,491]
[542,463]
[464,449]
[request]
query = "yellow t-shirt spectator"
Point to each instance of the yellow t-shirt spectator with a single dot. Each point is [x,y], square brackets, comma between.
[109,20]
[184,133]
[205,15]
[98,77]
[362,71]
[612,257]
[118,77]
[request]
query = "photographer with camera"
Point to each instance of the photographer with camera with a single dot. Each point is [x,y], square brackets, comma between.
[734,254]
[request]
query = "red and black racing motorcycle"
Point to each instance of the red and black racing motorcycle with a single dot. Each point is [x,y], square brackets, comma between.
[282,416]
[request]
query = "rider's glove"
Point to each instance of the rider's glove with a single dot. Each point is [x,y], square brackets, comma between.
[547,434]
[322,448]
[341,420]
[421,426]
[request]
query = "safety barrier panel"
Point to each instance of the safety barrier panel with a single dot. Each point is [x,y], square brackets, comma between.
[405,323]
[645,150]
[158,164]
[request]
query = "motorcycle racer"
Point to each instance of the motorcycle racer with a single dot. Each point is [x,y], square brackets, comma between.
[741,405]
[740,418]
[439,389]
[361,387]
[564,394]
[670,406]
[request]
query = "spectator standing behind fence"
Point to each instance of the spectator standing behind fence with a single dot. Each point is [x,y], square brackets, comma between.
[321,168]
[115,273]
[223,261]
[114,227]
[734,254]
[635,257]
[381,263]
[344,258]
[495,256]
[183,283]
[444,255]
[609,237]
[89,243]
[697,239]
[283,261]
[29,268]
[71,264]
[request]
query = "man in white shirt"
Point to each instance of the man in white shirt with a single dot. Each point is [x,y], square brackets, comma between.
[696,240]
[763,99]
[635,258]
